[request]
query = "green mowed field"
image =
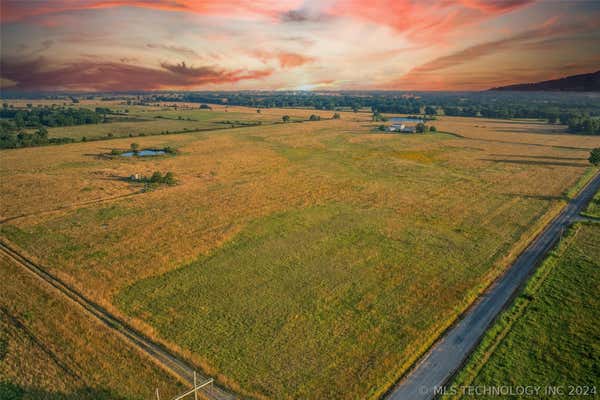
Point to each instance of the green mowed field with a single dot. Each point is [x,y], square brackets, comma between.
[549,338]
[301,260]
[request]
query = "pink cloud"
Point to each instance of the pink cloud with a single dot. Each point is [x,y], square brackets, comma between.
[285,59]
[15,10]
[112,76]
[425,21]
[435,73]
[291,60]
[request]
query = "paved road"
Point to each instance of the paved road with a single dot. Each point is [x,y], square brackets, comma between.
[158,353]
[448,354]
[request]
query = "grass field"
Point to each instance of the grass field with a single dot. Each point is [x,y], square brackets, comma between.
[161,118]
[49,349]
[311,260]
[548,338]
[593,209]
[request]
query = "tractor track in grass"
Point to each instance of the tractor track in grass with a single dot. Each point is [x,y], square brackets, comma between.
[70,206]
[177,366]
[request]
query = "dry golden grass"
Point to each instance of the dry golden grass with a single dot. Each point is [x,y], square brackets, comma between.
[451,209]
[168,117]
[52,350]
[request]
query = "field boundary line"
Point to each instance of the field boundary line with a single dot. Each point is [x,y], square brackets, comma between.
[70,206]
[178,367]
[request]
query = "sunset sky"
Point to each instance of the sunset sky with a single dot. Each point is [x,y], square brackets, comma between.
[118,45]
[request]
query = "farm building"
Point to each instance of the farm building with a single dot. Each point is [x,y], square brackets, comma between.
[401,128]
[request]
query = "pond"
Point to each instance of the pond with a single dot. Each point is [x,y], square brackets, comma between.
[405,119]
[143,153]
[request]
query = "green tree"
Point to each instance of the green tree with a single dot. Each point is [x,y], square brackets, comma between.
[39,137]
[169,178]
[429,110]
[134,147]
[286,118]
[314,117]
[432,128]
[156,177]
[337,116]
[594,158]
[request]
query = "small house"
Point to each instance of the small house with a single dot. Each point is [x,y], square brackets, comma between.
[395,127]
[401,128]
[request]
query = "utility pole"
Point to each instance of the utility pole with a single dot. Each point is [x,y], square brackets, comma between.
[195,387]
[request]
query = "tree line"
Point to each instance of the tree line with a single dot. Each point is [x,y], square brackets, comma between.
[584,125]
[14,123]
[11,137]
[33,117]
[553,107]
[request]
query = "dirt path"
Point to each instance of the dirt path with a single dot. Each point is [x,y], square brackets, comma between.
[163,357]
[70,206]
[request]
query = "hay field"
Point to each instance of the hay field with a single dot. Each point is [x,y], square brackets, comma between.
[164,118]
[310,260]
[547,337]
[49,349]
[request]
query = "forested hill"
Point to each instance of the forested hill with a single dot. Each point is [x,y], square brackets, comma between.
[575,83]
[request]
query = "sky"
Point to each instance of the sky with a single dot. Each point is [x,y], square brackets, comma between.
[126,45]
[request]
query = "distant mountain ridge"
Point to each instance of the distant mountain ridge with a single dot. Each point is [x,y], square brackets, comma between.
[575,83]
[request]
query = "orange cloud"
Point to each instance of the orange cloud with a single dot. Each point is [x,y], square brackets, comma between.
[495,6]
[434,73]
[180,50]
[425,21]
[112,76]
[291,60]
[15,10]
[286,59]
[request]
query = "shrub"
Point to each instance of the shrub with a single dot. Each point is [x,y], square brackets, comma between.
[594,158]
[169,178]
[157,179]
